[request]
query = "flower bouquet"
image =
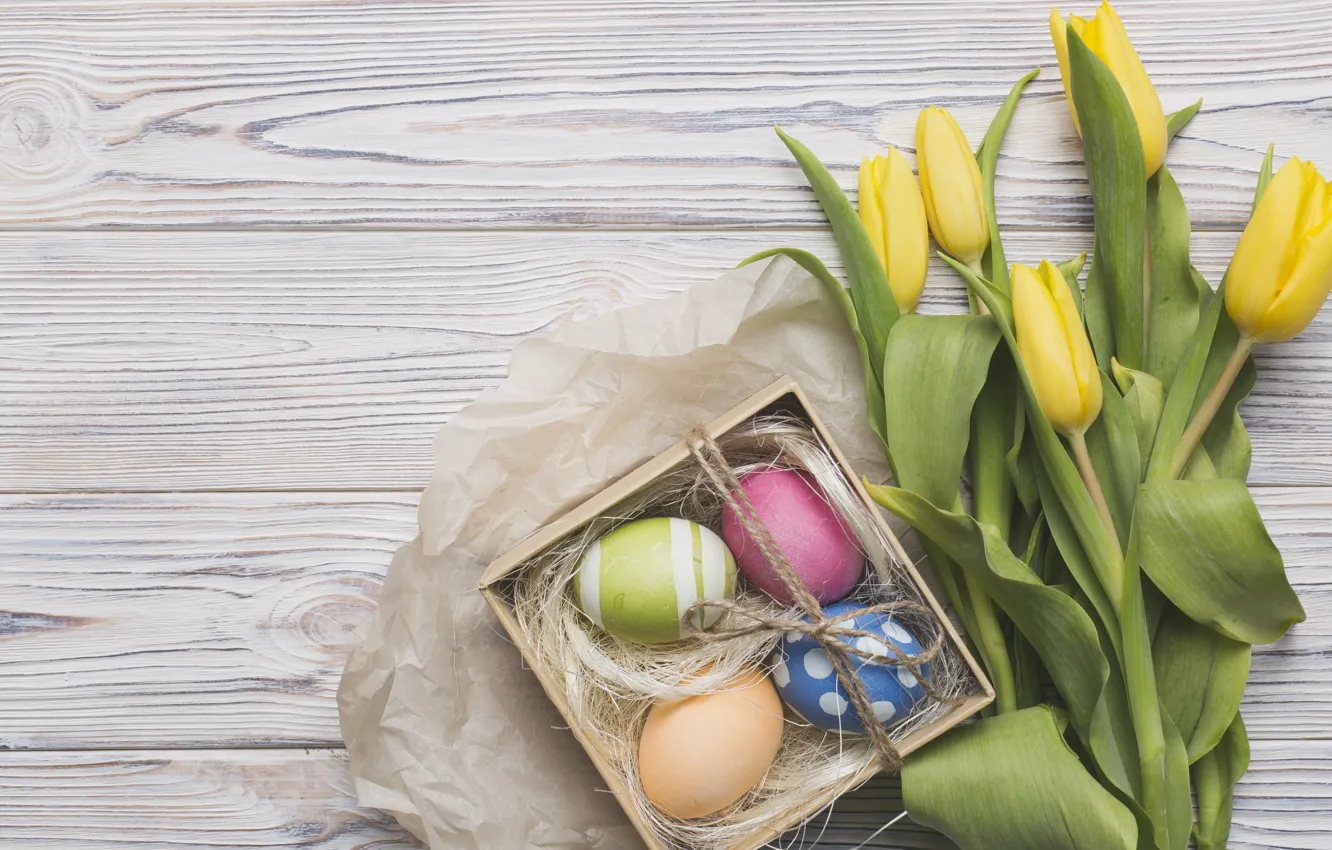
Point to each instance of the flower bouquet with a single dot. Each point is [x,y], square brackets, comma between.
[1103,554]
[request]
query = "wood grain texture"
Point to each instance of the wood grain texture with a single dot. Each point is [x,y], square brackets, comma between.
[200,800]
[324,361]
[586,113]
[225,619]
[187,801]
[170,621]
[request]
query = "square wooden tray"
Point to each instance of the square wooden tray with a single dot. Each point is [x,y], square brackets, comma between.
[784,394]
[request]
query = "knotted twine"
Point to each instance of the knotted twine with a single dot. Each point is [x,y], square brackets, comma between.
[827,631]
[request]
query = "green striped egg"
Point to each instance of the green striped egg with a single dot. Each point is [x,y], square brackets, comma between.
[638,581]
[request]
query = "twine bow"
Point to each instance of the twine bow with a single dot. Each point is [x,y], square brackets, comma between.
[827,631]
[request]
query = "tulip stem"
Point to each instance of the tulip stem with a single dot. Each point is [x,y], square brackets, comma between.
[975,266]
[1202,420]
[1082,458]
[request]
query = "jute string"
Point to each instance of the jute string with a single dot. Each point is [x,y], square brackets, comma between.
[827,631]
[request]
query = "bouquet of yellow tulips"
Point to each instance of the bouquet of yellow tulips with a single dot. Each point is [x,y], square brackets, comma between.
[1109,546]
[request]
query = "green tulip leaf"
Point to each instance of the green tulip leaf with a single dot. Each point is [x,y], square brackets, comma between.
[996,421]
[1118,179]
[1061,632]
[1178,821]
[1172,293]
[1204,545]
[1214,778]
[1200,675]
[934,368]
[1072,558]
[1144,396]
[1227,440]
[1020,461]
[1176,121]
[1184,390]
[1012,783]
[1264,176]
[1163,758]
[876,308]
[1070,269]
[993,263]
[840,297]
[1096,312]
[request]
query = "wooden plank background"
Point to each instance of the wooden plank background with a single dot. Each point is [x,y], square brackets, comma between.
[254,252]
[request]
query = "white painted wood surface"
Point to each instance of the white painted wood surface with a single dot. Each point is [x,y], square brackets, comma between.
[242,282]
[281,361]
[586,112]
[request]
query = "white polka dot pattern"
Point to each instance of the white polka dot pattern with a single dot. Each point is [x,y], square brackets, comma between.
[803,674]
[832,703]
[884,710]
[817,664]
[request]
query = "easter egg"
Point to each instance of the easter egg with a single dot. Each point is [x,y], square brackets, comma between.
[698,755]
[805,679]
[638,581]
[814,538]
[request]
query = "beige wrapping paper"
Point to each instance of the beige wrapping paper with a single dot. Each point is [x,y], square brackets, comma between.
[446,731]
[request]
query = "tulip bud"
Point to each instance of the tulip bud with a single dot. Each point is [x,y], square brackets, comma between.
[950,180]
[1104,35]
[1282,269]
[893,214]
[1054,348]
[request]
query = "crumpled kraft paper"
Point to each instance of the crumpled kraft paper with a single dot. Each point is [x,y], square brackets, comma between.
[445,729]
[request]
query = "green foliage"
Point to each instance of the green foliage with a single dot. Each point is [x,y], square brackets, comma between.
[1204,545]
[1143,622]
[1012,783]
[994,263]
[1172,294]
[933,371]
[1214,779]
[1200,675]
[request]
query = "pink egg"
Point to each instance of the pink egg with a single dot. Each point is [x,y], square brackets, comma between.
[815,539]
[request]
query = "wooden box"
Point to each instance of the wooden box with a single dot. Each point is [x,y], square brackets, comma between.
[785,395]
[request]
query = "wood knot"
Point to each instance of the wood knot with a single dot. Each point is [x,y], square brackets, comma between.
[41,129]
[323,620]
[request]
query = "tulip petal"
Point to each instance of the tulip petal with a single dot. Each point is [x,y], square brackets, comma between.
[1059,35]
[1305,290]
[951,185]
[906,230]
[1079,349]
[869,209]
[1042,339]
[1254,275]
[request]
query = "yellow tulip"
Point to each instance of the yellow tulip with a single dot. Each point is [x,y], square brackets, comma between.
[1282,269]
[1054,348]
[950,181]
[1104,35]
[893,214]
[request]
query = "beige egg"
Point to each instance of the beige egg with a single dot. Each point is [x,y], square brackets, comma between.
[699,755]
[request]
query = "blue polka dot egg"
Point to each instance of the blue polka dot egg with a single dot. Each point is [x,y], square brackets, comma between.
[804,675]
